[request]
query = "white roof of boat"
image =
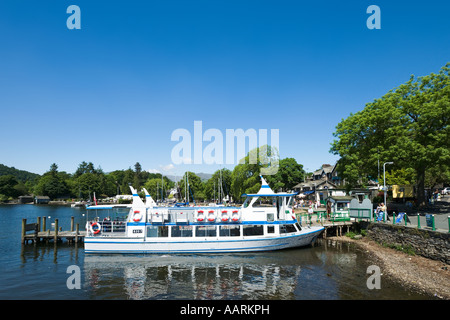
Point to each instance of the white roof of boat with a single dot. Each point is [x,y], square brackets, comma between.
[266,191]
[281,194]
[107,206]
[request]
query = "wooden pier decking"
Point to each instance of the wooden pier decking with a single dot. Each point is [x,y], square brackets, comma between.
[32,232]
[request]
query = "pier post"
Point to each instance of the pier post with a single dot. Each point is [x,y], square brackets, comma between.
[44,223]
[71,223]
[76,232]
[38,229]
[56,230]
[24,223]
[418,221]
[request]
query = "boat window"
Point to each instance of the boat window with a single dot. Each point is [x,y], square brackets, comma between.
[253,230]
[246,202]
[181,231]
[270,217]
[289,202]
[267,202]
[205,231]
[290,228]
[229,231]
[270,229]
[287,228]
[298,226]
[157,231]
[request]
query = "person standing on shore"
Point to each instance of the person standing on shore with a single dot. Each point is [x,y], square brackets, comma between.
[310,212]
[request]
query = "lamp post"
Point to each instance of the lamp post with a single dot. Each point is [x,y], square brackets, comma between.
[384,178]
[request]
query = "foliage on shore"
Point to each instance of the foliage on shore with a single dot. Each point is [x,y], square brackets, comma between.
[87,179]
[408,126]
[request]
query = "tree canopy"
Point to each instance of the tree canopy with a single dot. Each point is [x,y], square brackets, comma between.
[87,179]
[408,126]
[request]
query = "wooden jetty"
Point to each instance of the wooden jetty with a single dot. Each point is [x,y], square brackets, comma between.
[32,232]
[337,228]
[332,226]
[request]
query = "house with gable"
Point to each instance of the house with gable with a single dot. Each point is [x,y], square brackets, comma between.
[319,186]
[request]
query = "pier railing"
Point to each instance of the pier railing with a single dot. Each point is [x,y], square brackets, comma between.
[429,221]
[321,216]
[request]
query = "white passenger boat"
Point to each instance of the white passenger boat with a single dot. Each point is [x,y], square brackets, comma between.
[264,222]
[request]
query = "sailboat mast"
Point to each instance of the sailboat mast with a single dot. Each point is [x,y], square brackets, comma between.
[187,178]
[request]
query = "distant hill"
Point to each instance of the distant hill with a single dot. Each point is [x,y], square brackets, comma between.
[201,175]
[204,176]
[20,175]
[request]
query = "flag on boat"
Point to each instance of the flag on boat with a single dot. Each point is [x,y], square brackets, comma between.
[95,199]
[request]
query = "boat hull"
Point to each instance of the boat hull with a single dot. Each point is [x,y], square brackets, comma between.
[121,245]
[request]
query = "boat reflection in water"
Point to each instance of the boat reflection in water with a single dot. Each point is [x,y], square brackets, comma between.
[328,270]
[237,276]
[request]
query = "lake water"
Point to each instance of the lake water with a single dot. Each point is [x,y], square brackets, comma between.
[324,272]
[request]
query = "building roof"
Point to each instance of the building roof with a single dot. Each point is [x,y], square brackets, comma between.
[315,183]
[326,168]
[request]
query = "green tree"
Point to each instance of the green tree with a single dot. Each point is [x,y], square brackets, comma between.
[87,180]
[401,176]
[245,177]
[137,180]
[52,184]
[158,188]
[85,167]
[212,185]
[196,187]
[288,175]
[409,126]
[8,185]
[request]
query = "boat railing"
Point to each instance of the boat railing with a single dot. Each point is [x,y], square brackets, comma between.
[106,228]
[193,214]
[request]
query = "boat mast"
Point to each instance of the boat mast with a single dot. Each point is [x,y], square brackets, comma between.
[162,188]
[187,179]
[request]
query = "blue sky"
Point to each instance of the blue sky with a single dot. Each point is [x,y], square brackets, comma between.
[113,92]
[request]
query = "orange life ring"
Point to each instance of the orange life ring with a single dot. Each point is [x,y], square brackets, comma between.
[137,216]
[211,216]
[235,215]
[200,215]
[225,215]
[98,227]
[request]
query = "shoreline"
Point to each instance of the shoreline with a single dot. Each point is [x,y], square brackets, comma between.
[417,273]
